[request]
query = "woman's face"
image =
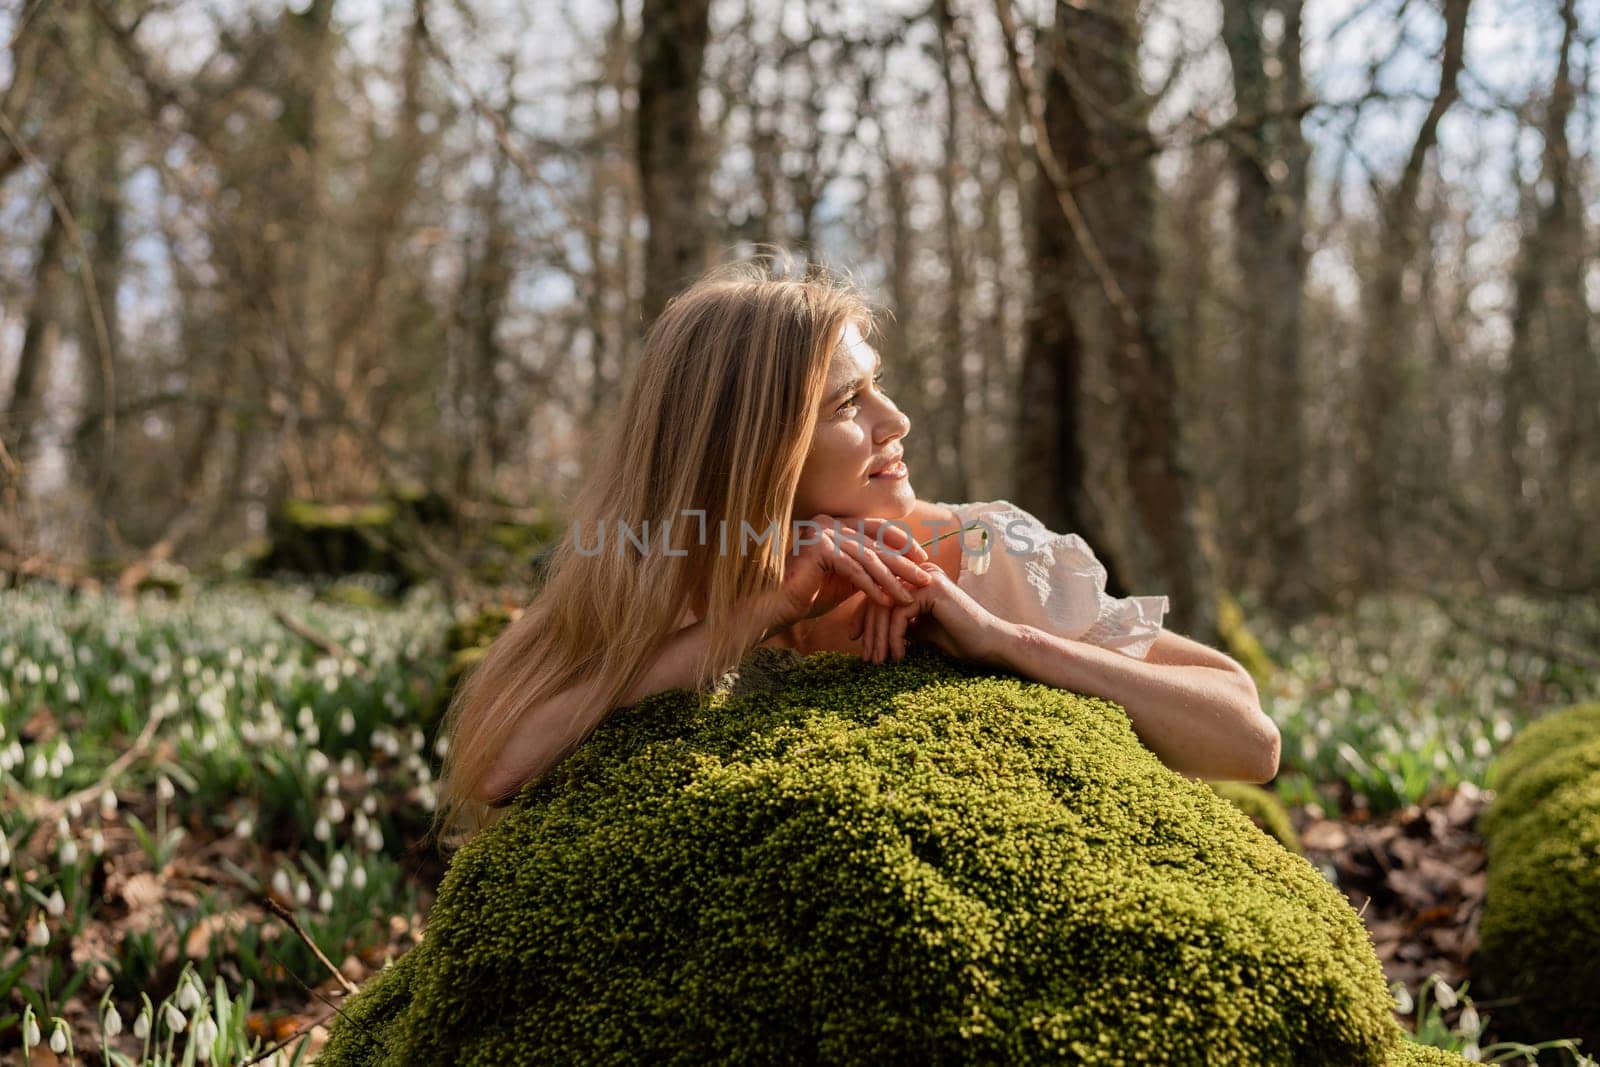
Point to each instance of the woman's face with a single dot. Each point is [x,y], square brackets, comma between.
[858,435]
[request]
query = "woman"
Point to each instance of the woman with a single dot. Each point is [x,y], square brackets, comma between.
[752,491]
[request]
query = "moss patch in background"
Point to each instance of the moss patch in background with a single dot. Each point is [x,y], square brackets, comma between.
[1539,938]
[923,861]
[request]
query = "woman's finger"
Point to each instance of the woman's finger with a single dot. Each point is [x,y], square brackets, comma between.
[898,624]
[880,644]
[877,566]
[846,564]
[858,619]
[890,535]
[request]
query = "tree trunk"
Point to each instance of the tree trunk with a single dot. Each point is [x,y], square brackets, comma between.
[671,152]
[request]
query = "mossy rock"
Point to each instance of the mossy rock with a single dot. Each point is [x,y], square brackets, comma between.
[1240,642]
[1550,734]
[1263,808]
[920,862]
[1539,937]
[312,538]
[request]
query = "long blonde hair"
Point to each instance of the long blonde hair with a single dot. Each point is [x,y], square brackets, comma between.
[718,417]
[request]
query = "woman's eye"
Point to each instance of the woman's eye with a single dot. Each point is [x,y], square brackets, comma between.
[850,401]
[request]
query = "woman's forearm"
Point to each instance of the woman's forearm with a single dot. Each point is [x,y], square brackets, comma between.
[674,666]
[1202,721]
[546,734]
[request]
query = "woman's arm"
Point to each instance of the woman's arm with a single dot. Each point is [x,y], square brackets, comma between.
[548,731]
[1194,707]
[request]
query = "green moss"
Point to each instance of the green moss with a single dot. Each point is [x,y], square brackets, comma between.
[923,861]
[311,515]
[1412,1054]
[1263,808]
[1549,735]
[1539,936]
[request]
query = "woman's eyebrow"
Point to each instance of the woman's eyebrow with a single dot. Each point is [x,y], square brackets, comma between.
[855,383]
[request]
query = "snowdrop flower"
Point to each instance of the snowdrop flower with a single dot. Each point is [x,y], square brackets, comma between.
[187,999]
[374,839]
[321,830]
[113,1021]
[335,810]
[39,936]
[141,1025]
[1470,1023]
[244,828]
[58,1037]
[330,786]
[347,721]
[68,852]
[281,884]
[74,809]
[325,902]
[205,1032]
[164,790]
[57,903]
[30,1032]
[38,768]
[64,752]
[358,878]
[360,824]
[369,804]
[108,803]
[302,893]
[174,1018]
[5,851]
[1402,999]
[97,843]
[1444,994]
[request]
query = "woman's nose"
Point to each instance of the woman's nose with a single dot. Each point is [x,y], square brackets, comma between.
[897,426]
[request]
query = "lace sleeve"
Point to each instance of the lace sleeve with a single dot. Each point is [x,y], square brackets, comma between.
[1051,581]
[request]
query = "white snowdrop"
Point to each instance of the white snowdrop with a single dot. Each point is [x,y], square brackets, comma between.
[1444,994]
[281,885]
[1470,1023]
[335,810]
[187,999]
[108,803]
[174,1018]
[205,1032]
[55,768]
[141,1025]
[30,1033]
[164,790]
[74,809]
[244,828]
[38,768]
[302,893]
[39,936]
[330,786]
[57,904]
[347,721]
[358,877]
[374,839]
[369,804]
[325,902]
[5,851]
[97,843]
[58,1037]
[320,829]
[360,823]
[113,1021]
[68,852]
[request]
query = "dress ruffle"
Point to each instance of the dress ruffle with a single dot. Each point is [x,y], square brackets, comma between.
[1050,580]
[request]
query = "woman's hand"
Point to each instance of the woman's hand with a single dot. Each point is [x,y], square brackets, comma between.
[941,613]
[822,574]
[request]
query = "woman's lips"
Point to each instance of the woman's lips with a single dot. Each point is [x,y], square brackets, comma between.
[898,470]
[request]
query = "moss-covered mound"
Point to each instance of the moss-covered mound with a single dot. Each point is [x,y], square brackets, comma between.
[1539,938]
[917,862]
[1263,808]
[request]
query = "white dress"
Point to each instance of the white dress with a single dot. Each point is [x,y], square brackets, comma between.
[1051,581]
